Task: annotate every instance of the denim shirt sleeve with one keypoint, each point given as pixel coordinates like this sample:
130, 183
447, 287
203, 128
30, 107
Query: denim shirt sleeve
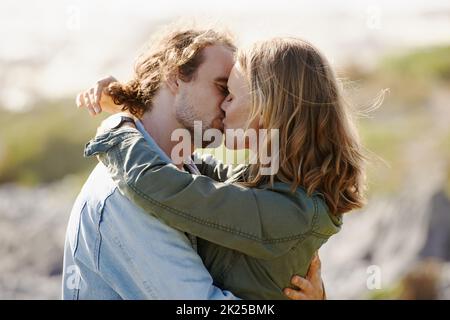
258, 222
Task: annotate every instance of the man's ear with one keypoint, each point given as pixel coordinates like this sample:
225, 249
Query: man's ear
172, 83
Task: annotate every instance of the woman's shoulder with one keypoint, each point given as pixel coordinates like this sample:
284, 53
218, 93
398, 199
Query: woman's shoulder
312, 208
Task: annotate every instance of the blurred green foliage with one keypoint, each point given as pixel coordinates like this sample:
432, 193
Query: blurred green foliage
412, 78
387, 142
406, 116
45, 143
431, 63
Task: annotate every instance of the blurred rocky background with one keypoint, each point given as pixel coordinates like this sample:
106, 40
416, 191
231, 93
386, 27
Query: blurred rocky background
398, 247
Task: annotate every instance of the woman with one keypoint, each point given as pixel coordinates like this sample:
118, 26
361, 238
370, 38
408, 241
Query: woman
257, 226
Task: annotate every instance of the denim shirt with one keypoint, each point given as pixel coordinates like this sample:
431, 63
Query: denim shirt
252, 240
115, 250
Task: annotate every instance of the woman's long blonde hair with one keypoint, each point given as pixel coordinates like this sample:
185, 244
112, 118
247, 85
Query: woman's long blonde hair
294, 90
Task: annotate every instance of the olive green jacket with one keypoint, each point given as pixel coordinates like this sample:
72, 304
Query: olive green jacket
252, 240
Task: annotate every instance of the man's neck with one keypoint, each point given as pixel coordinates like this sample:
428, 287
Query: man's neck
160, 122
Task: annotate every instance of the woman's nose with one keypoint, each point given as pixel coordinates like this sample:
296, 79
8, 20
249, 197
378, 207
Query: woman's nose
224, 105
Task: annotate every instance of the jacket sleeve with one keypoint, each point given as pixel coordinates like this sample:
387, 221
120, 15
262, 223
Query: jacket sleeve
258, 222
209, 166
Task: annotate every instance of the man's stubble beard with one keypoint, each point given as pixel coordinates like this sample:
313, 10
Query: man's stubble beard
185, 114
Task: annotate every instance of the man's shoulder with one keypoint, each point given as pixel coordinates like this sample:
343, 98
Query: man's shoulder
100, 193
98, 186
101, 201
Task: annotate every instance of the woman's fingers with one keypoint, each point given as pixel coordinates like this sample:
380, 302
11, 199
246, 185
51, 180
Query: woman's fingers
88, 103
91, 99
103, 101
84, 100
80, 100
314, 272
302, 283
307, 290
295, 294
98, 89
95, 105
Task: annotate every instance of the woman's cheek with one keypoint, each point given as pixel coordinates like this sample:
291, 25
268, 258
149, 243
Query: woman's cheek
237, 114
231, 113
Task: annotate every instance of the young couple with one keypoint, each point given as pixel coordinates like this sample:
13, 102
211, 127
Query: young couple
145, 226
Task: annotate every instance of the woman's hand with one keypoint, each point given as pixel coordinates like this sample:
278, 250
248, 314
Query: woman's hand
310, 288
96, 100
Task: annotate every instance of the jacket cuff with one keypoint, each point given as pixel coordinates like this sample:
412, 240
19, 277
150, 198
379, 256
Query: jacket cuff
104, 141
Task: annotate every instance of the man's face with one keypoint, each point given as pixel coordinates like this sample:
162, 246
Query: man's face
200, 98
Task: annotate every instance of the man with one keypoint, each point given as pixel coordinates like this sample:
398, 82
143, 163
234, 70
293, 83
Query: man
115, 250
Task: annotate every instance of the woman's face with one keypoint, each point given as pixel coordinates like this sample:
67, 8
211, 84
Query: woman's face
237, 107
